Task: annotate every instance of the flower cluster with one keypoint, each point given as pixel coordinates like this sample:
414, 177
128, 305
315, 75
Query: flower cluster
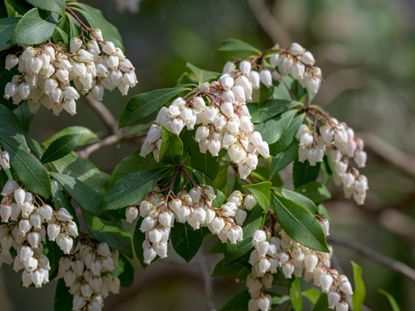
276, 252
219, 110
87, 272
26, 226
193, 207
339, 141
299, 63
55, 78
131, 6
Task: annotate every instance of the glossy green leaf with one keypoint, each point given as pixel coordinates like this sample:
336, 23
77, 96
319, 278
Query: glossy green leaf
288, 137
392, 302
322, 304
300, 199
57, 6
312, 294
237, 46
186, 241
60, 148
85, 135
34, 27
63, 299
110, 233
239, 302
269, 109
171, 149
17, 6
7, 26
261, 192
299, 223
199, 75
273, 129
88, 198
304, 173
124, 271
31, 172
204, 162
142, 106
295, 295
315, 191
24, 116
359, 288
96, 19
282, 159
131, 189
138, 239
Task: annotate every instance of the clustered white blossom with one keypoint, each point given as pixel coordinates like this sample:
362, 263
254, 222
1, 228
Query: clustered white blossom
193, 207
55, 78
299, 63
220, 111
26, 226
338, 140
131, 6
87, 272
275, 252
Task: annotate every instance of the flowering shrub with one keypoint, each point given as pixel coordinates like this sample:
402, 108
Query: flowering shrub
210, 161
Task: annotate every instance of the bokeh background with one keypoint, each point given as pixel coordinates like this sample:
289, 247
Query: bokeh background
366, 49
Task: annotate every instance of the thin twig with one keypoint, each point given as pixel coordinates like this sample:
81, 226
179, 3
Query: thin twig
268, 22
109, 140
389, 153
381, 259
103, 112
207, 281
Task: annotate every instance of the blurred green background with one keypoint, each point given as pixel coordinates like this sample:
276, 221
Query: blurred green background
366, 49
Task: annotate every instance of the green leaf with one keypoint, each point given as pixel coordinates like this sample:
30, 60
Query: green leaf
24, 116
299, 223
284, 158
57, 6
199, 75
141, 107
270, 108
124, 271
186, 241
110, 233
295, 295
171, 149
11, 133
31, 172
86, 136
315, 191
312, 294
87, 197
300, 200
304, 173
239, 302
204, 162
273, 129
322, 303
392, 302
131, 189
237, 46
17, 6
96, 19
7, 26
63, 299
287, 137
261, 192
34, 27
359, 294
54, 254
60, 148
138, 239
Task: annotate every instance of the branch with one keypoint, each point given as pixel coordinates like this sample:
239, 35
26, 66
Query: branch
389, 153
381, 259
268, 22
107, 141
103, 112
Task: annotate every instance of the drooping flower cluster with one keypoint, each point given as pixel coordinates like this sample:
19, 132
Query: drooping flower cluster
344, 148
131, 6
87, 272
193, 207
55, 78
275, 252
26, 226
219, 110
299, 63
